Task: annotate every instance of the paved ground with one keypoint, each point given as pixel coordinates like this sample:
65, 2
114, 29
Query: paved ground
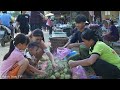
4, 50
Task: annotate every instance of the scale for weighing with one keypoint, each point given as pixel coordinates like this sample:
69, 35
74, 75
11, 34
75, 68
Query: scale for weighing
59, 34
58, 39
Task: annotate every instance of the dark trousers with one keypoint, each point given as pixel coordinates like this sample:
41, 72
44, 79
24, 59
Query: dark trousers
12, 30
35, 26
106, 70
50, 30
24, 30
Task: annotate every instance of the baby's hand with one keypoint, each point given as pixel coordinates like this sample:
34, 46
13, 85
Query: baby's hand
54, 65
44, 65
42, 73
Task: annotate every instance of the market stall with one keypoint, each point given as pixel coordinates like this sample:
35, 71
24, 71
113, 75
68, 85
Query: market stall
58, 39
65, 28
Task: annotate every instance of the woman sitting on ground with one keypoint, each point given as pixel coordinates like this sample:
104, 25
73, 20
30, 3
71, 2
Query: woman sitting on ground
103, 59
113, 35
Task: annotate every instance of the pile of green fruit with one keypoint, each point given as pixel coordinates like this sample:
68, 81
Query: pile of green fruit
62, 71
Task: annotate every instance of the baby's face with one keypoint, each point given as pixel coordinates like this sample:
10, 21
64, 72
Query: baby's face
34, 50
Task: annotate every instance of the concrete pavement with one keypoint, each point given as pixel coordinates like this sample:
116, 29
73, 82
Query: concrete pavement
3, 50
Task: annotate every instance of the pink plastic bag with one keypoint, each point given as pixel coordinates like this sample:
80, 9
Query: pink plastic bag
78, 73
62, 53
43, 66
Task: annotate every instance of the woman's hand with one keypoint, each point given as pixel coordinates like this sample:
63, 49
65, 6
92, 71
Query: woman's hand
72, 63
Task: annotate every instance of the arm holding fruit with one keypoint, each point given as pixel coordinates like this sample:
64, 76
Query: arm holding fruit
51, 58
85, 62
49, 54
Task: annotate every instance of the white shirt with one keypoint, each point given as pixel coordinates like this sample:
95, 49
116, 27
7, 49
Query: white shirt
29, 56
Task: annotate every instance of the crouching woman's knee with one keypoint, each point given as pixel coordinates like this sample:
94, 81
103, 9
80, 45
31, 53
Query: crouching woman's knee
24, 62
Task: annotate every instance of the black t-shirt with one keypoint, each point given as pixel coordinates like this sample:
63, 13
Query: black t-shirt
74, 30
23, 19
76, 37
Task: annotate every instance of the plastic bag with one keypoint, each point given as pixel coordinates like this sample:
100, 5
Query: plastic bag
43, 65
62, 53
78, 73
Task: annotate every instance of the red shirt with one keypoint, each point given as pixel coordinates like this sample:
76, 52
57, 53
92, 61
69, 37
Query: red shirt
49, 22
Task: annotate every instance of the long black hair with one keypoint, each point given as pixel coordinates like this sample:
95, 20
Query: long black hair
38, 32
89, 34
20, 38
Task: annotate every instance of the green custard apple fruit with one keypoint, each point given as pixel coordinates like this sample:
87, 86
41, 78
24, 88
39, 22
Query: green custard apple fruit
61, 66
57, 74
67, 76
65, 70
62, 76
52, 77
61, 72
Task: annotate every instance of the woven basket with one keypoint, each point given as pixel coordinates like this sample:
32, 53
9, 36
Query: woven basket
57, 42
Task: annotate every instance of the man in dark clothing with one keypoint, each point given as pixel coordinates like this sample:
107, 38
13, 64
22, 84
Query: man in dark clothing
76, 37
23, 21
36, 19
74, 31
76, 40
80, 24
